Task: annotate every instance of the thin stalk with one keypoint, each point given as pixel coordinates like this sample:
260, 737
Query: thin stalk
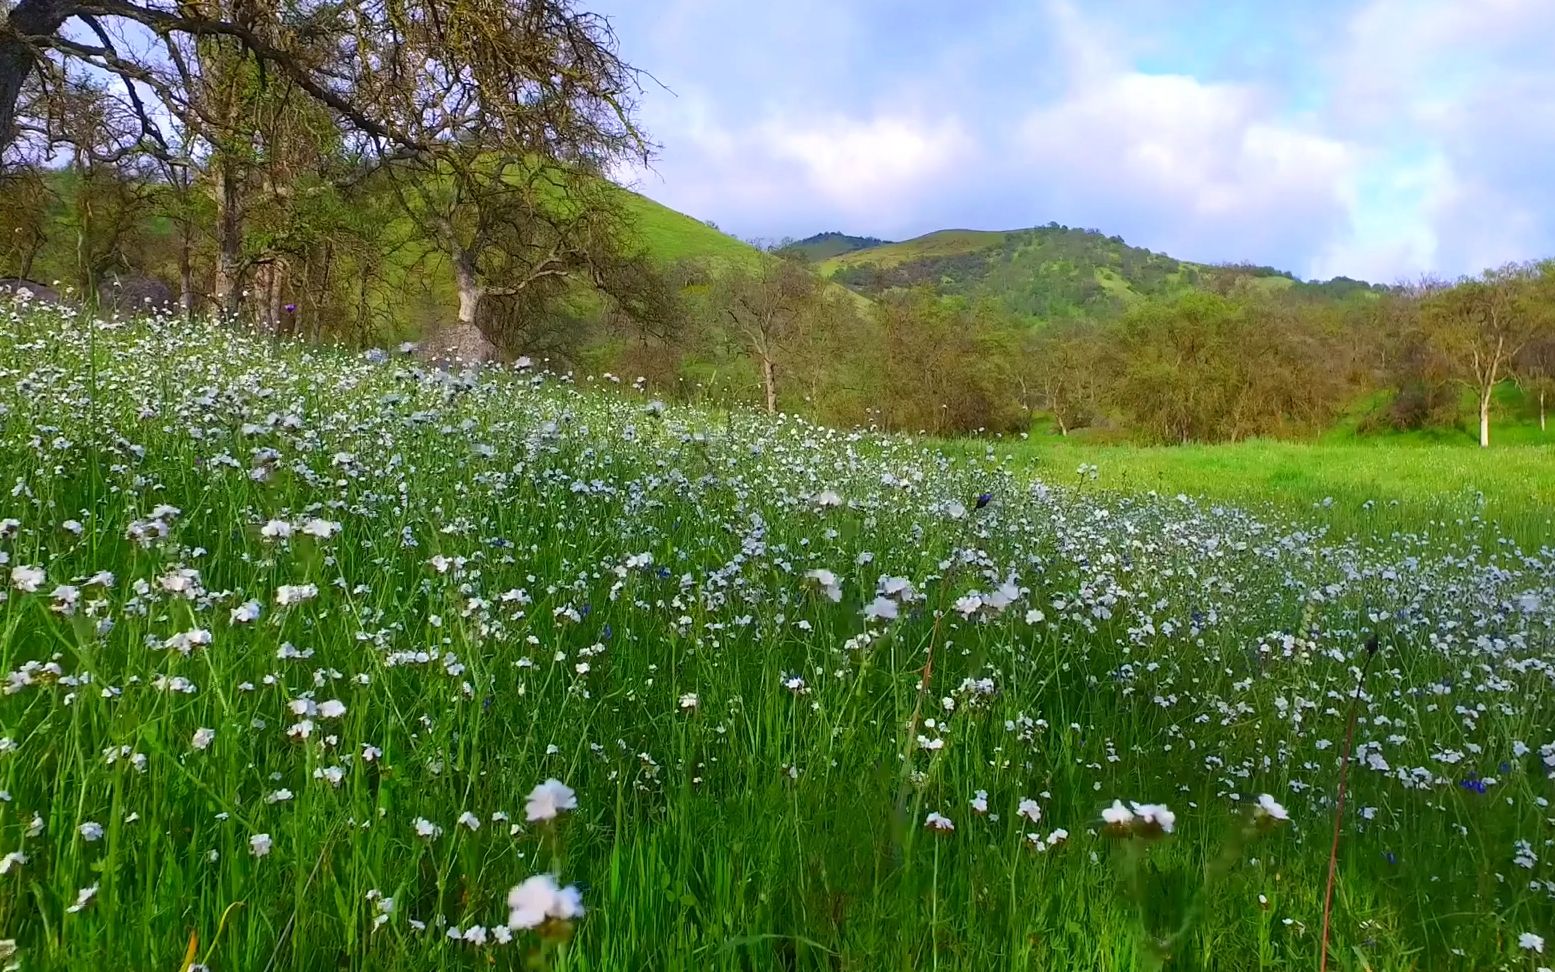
1344, 777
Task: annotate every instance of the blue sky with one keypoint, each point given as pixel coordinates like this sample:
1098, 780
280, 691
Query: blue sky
1381, 139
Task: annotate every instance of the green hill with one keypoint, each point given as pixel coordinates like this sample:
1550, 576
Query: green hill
1051, 272
670, 235
824, 246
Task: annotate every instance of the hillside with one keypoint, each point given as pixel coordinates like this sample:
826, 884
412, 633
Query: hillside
824, 246
1051, 272
670, 235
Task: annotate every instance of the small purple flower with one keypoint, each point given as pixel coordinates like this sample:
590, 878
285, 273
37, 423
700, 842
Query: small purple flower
983, 499
290, 308
1474, 785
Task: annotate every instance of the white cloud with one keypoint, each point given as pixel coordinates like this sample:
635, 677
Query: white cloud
864, 165
866, 171
1469, 87
1408, 136
1205, 170
1391, 239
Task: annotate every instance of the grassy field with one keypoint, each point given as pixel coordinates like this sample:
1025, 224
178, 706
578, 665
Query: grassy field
325, 661
1369, 488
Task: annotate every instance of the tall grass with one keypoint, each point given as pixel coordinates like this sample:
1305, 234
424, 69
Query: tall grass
533, 580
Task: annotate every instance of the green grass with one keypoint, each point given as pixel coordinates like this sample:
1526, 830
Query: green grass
823, 246
670, 235
1116, 285
538, 578
1368, 487
1514, 421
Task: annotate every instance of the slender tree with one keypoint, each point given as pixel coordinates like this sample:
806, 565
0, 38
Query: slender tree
1064, 371
1481, 325
772, 308
1536, 364
515, 113
24, 220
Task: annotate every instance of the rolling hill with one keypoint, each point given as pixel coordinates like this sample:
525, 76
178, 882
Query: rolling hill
824, 246
670, 235
1050, 272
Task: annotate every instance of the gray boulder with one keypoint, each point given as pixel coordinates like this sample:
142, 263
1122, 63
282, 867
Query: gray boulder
457, 344
133, 294
20, 289
116, 296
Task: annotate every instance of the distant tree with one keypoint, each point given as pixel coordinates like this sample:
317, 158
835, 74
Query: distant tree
1481, 325
774, 308
945, 366
1177, 364
1202, 367
111, 198
24, 220
1065, 372
1537, 367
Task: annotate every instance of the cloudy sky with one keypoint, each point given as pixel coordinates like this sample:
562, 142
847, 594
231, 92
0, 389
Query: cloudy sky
1375, 138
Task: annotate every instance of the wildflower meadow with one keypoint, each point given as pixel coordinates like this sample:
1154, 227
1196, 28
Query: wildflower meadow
325, 660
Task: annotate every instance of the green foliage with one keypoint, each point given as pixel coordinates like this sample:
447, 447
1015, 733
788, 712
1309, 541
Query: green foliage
1206, 368
963, 331
946, 366
1057, 272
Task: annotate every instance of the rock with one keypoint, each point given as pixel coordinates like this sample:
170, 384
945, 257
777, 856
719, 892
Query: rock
121, 296
19, 289
133, 294
459, 344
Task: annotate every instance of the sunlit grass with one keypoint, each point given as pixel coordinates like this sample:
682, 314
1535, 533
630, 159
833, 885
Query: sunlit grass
1366, 488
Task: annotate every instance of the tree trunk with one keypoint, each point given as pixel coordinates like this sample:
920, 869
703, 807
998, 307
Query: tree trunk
315, 318
259, 305
229, 238
186, 274
16, 62
769, 383
84, 261
277, 284
1484, 417
18, 57
464, 342
469, 291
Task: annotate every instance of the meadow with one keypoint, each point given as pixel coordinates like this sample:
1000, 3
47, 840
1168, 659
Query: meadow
327, 660
1360, 486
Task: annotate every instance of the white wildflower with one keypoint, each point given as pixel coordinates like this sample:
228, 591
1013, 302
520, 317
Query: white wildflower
548, 799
